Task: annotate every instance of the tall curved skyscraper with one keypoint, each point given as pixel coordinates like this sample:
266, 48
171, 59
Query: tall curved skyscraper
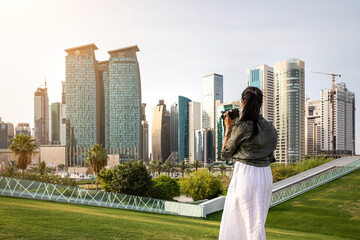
124, 100
160, 132
289, 78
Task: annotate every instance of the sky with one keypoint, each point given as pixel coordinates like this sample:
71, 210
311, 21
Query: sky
179, 42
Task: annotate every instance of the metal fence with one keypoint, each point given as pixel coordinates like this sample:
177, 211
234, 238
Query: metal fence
59, 193
314, 182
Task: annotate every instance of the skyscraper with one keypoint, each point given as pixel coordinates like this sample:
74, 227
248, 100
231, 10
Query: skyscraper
103, 70
160, 132
55, 123
344, 125
219, 128
3, 135
174, 130
83, 98
183, 128
312, 127
262, 77
144, 135
289, 97
212, 90
194, 124
199, 145
63, 115
41, 116
10, 134
23, 128
124, 100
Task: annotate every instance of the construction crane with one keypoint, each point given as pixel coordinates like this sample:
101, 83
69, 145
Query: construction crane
333, 75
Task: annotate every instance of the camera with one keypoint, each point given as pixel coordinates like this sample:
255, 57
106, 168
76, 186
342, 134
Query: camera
233, 113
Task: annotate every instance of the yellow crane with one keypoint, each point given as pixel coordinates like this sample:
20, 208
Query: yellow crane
333, 75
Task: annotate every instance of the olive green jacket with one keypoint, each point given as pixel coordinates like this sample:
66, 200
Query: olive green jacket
257, 151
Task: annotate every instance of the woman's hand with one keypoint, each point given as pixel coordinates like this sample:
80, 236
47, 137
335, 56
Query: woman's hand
229, 123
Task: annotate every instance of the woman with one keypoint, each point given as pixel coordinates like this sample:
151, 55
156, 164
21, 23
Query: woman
250, 142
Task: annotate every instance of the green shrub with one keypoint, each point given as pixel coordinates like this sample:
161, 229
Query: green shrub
225, 182
46, 178
132, 178
201, 185
105, 177
164, 187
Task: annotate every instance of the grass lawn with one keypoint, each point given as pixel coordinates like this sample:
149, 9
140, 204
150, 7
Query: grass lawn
329, 212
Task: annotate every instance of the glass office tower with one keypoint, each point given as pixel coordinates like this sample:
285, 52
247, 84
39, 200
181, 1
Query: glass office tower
55, 123
160, 132
289, 77
183, 128
212, 90
219, 128
83, 104
103, 70
124, 101
262, 77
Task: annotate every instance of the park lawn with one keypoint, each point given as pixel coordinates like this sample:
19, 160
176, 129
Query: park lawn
326, 213
331, 211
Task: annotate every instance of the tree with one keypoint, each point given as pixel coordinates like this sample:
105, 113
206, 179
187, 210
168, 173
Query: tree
156, 166
169, 167
61, 167
222, 168
97, 159
41, 168
210, 167
201, 185
23, 148
164, 187
131, 178
182, 167
105, 177
196, 164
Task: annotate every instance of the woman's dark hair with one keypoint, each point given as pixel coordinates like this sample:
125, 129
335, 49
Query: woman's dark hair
252, 99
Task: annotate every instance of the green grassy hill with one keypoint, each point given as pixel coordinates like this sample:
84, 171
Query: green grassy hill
329, 212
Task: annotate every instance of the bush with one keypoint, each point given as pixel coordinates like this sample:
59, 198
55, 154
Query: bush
225, 182
105, 177
131, 178
46, 178
164, 187
281, 171
201, 185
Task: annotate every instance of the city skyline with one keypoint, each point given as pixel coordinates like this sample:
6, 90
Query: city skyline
227, 43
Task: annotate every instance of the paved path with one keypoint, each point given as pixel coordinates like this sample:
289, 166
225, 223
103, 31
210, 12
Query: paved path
313, 172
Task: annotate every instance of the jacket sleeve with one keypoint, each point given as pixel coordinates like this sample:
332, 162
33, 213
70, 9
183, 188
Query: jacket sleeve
237, 135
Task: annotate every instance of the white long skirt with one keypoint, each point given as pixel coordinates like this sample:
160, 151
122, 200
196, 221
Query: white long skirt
247, 203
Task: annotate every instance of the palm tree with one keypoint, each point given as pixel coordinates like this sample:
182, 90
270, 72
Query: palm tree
182, 167
222, 168
42, 168
169, 167
156, 166
97, 159
196, 164
23, 148
210, 167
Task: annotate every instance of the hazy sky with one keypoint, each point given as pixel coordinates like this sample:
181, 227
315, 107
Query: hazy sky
179, 41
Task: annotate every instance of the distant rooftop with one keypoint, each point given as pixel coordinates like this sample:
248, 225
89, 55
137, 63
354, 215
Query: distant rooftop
91, 45
213, 74
124, 49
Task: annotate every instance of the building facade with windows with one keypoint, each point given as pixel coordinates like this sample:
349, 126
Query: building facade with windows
55, 123
41, 116
124, 100
312, 127
289, 119
183, 128
220, 128
344, 124
262, 77
212, 90
160, 132
194, 125
83, 98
